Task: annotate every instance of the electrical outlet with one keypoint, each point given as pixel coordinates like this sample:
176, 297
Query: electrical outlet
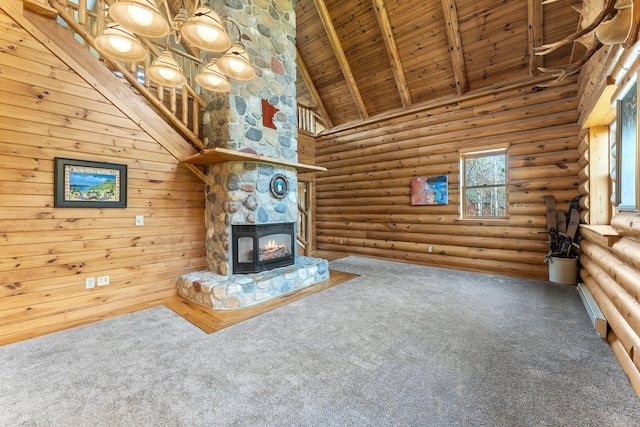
90, 282
430, 248
341, 241
139, 220
103, 280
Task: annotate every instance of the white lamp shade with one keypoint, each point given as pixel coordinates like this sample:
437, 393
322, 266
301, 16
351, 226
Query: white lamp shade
141, 17
235, 63
166, 71
119, 43
211, 78
204, 30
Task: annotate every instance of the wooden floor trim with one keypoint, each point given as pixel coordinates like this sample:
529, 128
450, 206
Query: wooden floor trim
210, 320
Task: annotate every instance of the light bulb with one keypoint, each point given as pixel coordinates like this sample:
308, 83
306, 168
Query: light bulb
121, 45
141, 16
207, 34
166, 73
214, 80
236, 65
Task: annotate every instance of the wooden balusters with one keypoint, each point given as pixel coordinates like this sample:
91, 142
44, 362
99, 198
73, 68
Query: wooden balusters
196, 116
83, 18
172, 101
88, 23
184, 97
100, 16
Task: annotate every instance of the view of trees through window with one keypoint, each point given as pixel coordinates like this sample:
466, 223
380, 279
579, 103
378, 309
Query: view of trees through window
484, 190
627, 197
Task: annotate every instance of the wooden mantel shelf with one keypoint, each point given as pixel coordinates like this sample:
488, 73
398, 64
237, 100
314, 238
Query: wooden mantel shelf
211, 156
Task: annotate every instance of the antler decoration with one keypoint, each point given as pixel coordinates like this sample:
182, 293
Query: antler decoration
616, 21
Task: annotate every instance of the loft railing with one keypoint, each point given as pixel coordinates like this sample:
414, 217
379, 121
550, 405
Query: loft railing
301, 230
181, 106
309, 120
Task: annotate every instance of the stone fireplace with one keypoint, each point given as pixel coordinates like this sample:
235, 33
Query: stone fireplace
251, 167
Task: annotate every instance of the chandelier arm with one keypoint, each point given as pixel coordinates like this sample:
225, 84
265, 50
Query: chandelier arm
166, 8
236, 26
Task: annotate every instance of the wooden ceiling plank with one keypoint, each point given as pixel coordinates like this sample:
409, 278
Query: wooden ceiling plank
304, 71
392, 51
535, 18
323, 12
455, 45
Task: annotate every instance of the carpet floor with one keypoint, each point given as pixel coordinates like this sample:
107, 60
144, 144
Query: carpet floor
401, 345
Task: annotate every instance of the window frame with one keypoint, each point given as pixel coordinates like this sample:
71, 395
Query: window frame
478, 153
620, 146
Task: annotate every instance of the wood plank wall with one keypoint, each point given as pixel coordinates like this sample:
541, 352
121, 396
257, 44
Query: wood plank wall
47, 110
610, 259
363, 202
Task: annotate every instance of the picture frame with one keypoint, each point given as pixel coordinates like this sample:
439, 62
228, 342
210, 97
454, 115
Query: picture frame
430, 190
279, 186
88, 184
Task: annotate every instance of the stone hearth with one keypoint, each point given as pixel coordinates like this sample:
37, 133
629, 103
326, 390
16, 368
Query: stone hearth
244, 290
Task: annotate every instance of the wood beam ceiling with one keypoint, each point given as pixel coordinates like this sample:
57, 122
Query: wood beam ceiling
392, 51
535, 17
304, 72
455, 45
323, 12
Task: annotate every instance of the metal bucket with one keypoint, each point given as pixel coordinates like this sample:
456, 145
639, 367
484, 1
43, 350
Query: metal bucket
563, 270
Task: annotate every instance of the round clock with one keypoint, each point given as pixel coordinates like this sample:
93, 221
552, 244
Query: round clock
279, 186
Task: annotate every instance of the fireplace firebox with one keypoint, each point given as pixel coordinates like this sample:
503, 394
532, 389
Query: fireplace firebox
262, 247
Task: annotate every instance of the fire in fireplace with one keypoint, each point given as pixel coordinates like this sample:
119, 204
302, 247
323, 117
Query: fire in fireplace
262, 247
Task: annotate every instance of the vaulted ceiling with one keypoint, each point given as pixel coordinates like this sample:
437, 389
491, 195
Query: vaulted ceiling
362, 59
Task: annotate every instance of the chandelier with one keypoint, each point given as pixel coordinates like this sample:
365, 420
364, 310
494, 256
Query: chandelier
204, 30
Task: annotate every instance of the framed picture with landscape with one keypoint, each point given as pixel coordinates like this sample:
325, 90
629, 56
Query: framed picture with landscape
85, 184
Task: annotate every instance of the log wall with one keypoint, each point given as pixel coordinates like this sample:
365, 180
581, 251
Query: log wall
363, 201
48, 110
610, 255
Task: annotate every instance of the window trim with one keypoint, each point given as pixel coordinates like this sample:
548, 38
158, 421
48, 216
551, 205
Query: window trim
478, 152
619, 146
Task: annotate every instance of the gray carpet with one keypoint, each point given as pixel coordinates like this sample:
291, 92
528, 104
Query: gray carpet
401, 345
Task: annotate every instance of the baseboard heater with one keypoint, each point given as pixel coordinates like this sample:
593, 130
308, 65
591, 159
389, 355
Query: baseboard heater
595, 314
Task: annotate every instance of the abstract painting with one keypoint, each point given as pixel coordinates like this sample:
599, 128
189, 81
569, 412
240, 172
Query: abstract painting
430, 190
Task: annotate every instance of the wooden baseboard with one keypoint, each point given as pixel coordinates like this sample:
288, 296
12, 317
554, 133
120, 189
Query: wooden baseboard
210, 320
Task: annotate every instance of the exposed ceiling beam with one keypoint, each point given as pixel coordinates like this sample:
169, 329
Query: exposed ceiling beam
455, 45
534, 18
392, 51
312, 89
341, 57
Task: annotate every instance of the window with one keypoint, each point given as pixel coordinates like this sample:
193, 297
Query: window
483, 189
627, 177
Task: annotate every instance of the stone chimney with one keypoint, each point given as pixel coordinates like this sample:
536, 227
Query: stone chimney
257, 117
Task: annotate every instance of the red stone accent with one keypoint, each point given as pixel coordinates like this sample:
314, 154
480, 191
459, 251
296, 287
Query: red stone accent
268, 111
197, 286
277, 66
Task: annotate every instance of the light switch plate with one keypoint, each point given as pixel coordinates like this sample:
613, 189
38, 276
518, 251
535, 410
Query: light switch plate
139, 220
